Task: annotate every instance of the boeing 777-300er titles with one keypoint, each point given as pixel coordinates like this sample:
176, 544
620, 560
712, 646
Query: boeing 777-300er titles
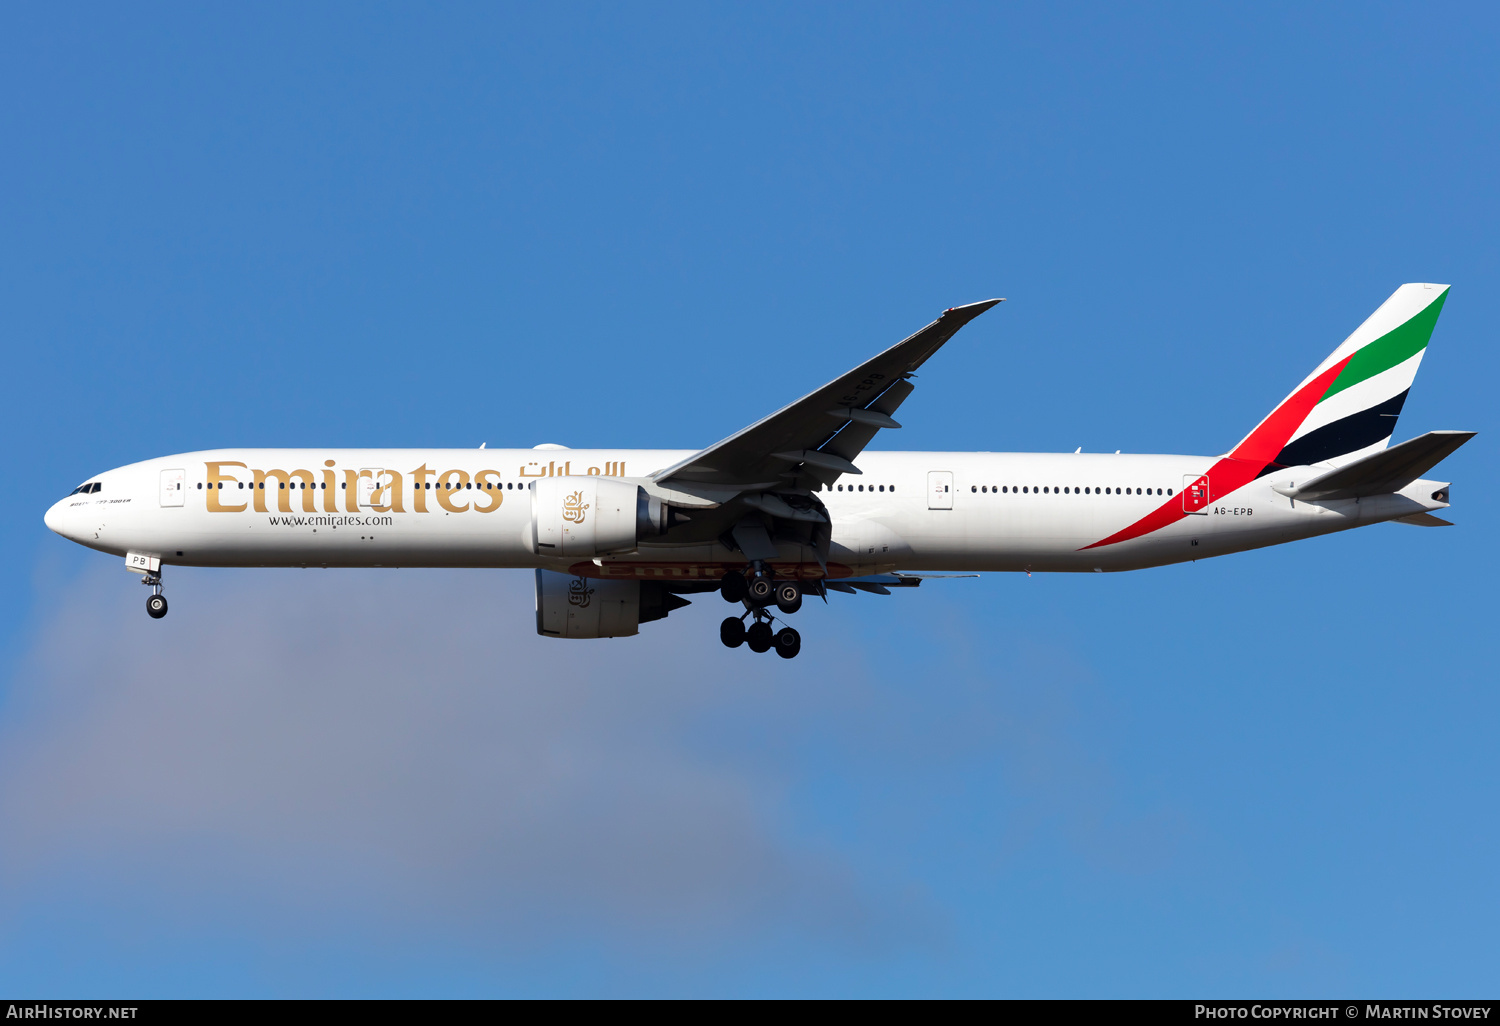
792, 504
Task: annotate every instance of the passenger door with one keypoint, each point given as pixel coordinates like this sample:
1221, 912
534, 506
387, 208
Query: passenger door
940, 489
172, 491
1195, 494
369, 480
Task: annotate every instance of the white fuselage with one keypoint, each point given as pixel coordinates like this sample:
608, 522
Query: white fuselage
933, 511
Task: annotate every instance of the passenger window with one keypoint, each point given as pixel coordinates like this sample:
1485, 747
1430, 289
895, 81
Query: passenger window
1169, 491
882, 488
973, 488
893, 488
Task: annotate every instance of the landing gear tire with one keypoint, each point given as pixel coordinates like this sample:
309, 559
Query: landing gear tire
732, 586
762, 590
732, 632
156, 606
759, 637
788, 643
788, 597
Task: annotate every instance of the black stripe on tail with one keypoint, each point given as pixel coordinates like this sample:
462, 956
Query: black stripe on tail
1351, 434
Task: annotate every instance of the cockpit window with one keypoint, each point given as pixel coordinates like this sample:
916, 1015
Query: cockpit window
86, 489
97, 485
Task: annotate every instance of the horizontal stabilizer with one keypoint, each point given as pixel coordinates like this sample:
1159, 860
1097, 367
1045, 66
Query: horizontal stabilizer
1423, 520
1380, 473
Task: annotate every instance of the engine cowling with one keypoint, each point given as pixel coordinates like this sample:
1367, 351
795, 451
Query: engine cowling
591, 516
585, 607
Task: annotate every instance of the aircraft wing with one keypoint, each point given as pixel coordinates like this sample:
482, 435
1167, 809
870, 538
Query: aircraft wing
881, 584
816, 438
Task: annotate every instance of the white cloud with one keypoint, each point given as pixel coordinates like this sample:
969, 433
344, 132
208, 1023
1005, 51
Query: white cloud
404, 749
399, 755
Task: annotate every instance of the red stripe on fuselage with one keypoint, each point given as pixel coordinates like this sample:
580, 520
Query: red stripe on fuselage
1249, 458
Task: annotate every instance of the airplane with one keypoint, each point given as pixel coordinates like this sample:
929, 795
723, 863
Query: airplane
795, 504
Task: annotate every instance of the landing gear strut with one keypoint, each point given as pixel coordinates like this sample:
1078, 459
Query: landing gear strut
156, 604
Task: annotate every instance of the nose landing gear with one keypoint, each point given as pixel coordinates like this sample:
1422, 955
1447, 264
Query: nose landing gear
156, 604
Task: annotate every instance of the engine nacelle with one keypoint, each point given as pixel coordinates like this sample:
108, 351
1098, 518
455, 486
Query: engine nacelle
584, 607
591, 516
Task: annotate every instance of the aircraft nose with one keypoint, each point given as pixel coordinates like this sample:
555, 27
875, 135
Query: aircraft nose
54, 518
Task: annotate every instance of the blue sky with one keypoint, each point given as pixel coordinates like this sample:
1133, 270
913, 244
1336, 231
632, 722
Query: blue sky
649, 225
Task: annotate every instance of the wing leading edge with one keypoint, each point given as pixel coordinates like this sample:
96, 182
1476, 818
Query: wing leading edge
818, 436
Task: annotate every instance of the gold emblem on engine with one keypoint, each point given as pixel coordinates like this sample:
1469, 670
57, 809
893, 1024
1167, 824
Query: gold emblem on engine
574, 507
579, 593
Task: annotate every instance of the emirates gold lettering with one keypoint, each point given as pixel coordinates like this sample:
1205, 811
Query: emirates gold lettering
330, 493
491, 496
216, 481
285, 482
419, 488
386, 498
483, 491
449, 482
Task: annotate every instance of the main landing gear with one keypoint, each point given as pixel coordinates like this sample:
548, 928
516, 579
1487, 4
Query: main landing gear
156, 604
760, 591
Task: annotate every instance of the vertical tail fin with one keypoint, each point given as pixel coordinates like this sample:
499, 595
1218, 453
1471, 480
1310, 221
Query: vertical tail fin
1348, 406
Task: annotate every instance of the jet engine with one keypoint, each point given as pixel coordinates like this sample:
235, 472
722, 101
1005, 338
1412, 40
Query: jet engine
584, 607
592, 516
